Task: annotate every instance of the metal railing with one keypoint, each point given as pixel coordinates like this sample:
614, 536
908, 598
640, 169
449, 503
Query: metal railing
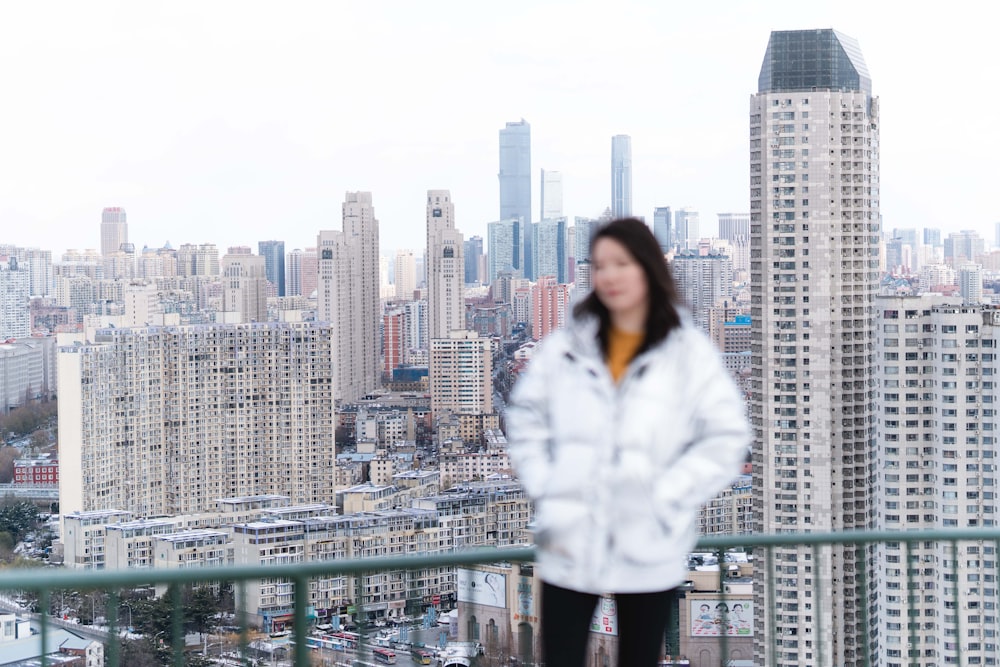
43, 581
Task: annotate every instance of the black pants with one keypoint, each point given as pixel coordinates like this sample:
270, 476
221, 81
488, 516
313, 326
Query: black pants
566, 616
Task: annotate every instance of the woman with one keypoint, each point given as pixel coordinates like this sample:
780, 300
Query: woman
623, 425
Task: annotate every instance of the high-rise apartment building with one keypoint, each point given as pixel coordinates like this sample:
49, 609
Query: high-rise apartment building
198, 260
936, 468
963, 246
273, 253
114, 230
505, 239
405, 273
473, 258
38, 264
515, 185
702, 281
162, 421
15, 303
461, 373
814, 227
970, 283
445, 267
348, 297
393, 340
550, 306
293, 273
621, 176
932, 236
552, 195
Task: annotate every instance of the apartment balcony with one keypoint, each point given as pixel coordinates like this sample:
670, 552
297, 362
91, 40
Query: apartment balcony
820, 609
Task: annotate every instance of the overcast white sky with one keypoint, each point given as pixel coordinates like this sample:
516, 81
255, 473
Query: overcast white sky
235, 122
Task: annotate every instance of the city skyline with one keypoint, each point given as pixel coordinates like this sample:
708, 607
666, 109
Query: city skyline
201, 145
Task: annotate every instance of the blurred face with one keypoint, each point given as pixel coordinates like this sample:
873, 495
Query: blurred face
619, 281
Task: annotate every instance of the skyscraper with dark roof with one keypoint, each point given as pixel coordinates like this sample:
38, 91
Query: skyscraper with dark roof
814, 183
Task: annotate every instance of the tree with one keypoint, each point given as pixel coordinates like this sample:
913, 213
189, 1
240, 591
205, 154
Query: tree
7, 457
39, 440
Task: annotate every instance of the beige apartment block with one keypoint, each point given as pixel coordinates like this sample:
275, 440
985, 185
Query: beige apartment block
163, 421
815, 230
348, 297
461, 373
445, 267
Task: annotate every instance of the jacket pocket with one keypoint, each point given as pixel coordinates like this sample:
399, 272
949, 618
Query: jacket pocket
562, 527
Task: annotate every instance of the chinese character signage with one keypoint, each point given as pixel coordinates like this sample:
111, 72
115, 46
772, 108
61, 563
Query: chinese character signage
605, 621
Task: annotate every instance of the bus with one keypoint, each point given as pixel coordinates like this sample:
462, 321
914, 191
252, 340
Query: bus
349, 639
421, 656
384, 656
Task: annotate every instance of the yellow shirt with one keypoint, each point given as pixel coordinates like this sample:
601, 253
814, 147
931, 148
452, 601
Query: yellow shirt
622, 346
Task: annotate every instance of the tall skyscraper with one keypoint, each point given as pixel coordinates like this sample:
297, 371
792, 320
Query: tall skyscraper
162, 421
348, 297
301, 272
515, 183
663, 227
687, 228
965, 245
405, 273
273, 253
114, 229
932, 236
735, 228
621, 176
549, 241
293, 273
814, 274
505, 245
473, 254
445, 267
244, 288
552, 195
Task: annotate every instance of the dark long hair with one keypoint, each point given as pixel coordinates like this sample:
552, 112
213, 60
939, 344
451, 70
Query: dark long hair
663, 317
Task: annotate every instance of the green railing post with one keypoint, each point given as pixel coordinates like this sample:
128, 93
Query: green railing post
772, 625
860, 555
301, 597
43, 614
724, 655
817, 602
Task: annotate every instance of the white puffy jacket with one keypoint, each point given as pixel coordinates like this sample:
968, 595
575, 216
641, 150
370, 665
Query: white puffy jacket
618, 472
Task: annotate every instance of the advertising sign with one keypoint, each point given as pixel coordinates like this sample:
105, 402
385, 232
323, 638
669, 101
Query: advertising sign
605, 620
709, 617
486, 588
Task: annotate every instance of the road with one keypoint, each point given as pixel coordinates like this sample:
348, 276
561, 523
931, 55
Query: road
86, 631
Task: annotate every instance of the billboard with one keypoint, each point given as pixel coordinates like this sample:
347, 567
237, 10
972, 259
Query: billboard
709, 616
486, 588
